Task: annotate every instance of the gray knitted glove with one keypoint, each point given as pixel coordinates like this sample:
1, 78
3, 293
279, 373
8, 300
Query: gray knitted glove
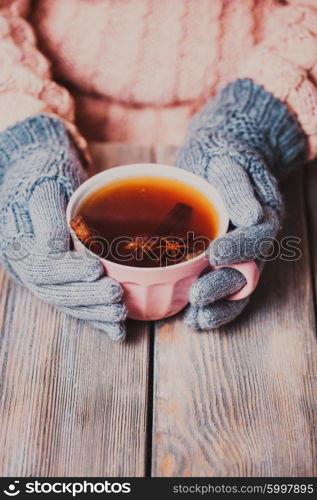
39, 170
242, 141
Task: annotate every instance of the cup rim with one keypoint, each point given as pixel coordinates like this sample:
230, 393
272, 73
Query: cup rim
88, 187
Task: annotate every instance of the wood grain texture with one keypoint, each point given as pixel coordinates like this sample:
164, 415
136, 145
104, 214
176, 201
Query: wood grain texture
72, 403
242, 400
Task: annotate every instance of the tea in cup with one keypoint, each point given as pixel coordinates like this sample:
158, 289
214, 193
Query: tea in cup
150, 225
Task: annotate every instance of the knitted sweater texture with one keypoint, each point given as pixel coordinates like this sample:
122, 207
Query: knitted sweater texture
139, 69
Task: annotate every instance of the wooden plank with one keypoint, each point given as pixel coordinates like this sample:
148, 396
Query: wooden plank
242, 400
72, 403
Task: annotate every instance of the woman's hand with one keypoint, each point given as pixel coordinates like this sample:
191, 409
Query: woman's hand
236, 142
39, 170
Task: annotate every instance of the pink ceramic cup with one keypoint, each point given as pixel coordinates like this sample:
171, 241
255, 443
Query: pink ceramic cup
156, 292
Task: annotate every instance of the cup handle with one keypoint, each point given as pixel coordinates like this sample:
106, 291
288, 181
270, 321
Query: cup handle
251, 273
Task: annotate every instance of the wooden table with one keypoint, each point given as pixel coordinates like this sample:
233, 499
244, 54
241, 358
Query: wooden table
238, 401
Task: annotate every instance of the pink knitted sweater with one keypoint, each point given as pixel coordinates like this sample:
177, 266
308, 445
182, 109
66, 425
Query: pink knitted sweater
138, 69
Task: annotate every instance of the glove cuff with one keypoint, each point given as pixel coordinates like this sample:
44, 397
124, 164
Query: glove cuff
246, 113
35, 132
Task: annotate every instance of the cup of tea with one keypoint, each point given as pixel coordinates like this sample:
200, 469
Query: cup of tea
151, 225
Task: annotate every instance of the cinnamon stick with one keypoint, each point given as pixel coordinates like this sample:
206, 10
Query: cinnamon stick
84, 234
176, 221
